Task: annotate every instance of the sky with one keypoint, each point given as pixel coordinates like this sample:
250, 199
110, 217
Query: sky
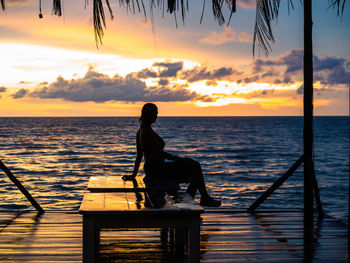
53, 67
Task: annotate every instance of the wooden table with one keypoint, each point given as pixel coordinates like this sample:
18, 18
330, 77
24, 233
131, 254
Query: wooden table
105, 184
125, 210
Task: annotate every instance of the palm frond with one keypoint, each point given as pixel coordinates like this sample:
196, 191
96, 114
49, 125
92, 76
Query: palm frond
339, 4
98, 15
3, 5
266, 12
57, 9
232, 6
217, 5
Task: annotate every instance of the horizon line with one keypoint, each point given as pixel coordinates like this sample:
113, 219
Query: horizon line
181, 116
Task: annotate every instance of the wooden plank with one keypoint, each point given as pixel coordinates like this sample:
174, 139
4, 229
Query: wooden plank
273, 237
120, 203
105, 184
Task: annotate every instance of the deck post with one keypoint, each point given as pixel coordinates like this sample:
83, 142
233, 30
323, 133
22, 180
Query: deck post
308, 109
21, 188
194, 240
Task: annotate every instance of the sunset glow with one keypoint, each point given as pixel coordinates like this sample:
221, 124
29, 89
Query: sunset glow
52, 67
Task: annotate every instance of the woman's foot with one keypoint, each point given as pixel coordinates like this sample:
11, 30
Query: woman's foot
209, 201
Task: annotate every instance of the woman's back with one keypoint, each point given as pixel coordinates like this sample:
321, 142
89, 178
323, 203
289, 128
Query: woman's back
150, 143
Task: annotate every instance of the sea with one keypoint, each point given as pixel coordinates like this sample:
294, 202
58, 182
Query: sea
240, 156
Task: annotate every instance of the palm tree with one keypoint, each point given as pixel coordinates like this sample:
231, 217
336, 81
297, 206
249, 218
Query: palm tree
266, 12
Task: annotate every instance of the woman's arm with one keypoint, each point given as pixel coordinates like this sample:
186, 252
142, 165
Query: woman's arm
169, 156
138, 160
136, 167
137, 164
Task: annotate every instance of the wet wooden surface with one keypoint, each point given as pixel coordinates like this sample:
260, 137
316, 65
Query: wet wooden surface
105, 184
226, 236
129, 203
115, 184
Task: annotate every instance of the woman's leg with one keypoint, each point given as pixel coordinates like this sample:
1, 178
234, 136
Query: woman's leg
196, 179
197, 183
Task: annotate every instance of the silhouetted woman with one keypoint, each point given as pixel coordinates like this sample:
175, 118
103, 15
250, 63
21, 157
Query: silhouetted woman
181, 170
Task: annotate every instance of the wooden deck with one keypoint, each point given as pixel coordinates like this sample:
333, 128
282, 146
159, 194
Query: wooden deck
226, 236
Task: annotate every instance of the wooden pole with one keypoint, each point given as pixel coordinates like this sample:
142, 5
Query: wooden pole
276, 184
316, 192
308, 109
21, 187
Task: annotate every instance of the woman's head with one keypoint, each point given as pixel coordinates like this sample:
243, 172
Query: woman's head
149, 114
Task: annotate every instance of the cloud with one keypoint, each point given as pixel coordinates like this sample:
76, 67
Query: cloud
163, 82
260, 64
97, 87
300, 90
199, 73
245, 37
293, 60
251, 79
146, 73
228, 35
170, 69
327, 70
261, 93
338, 75
327, 63
247, 4
3, 89
25, 82
20, 94
11, 32
165, 70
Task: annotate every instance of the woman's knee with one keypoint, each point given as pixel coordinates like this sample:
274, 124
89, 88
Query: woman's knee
195, 167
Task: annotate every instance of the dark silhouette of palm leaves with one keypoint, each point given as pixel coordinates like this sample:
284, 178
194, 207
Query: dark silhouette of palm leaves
340, 4
57, 10
266, 12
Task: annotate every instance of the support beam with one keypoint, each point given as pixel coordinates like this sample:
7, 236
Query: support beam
276, 184
21, 187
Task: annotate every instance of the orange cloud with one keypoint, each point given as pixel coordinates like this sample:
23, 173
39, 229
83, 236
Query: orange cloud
228, 35
245, 37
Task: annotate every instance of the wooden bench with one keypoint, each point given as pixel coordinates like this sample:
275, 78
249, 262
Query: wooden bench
126, 210
106, 184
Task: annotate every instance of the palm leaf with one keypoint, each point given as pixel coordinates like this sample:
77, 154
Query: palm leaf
339, 4
57, 9
266, 12
262, 30
232, 5
98, 16
217, 5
